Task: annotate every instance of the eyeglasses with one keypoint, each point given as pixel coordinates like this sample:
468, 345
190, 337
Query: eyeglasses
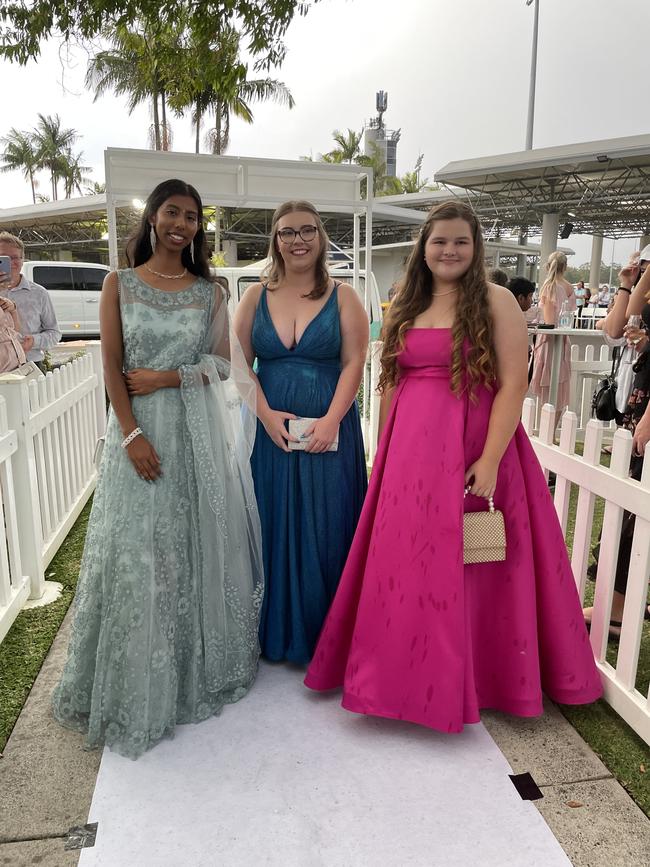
288, 236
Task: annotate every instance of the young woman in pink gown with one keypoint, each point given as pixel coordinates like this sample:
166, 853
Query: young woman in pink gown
412, 633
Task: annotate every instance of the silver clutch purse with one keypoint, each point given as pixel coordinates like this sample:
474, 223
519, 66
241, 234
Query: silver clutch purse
484, 536
297, 428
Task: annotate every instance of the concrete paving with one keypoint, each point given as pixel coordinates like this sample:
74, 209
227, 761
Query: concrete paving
46, 778
47, 781
607, 829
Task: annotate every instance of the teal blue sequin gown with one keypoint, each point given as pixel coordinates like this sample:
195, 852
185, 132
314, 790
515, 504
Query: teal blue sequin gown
170, 589
309, 504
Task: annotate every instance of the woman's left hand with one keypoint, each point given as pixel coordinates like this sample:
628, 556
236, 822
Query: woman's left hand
7, 305
142, 380
641, 434
321, 435
484, 473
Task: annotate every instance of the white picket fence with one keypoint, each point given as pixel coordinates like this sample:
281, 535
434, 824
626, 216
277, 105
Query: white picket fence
54, 423
14, 584
619, 493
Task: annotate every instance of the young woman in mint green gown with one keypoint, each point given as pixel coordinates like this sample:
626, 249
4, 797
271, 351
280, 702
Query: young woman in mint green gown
167, 607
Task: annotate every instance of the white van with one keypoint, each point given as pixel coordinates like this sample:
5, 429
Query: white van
239, 279
74, 288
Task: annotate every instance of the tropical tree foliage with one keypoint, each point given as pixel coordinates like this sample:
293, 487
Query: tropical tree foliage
20, 154
348, 147
25, 26
74, 174
48, 147
54, 148
212, 80
135, 67
411, 182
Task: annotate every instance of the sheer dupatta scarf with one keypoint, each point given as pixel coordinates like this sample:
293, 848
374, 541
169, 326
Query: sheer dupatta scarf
218, 396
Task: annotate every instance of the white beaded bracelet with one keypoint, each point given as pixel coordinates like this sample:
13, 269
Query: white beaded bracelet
129, 439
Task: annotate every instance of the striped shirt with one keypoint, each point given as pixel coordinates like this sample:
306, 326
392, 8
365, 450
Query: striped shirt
36, 316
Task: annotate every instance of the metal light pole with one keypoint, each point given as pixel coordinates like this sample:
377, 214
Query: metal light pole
533, 77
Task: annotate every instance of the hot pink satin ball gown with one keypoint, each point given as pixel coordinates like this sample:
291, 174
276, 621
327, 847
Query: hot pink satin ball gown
414, 634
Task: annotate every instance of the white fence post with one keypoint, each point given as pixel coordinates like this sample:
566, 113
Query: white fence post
619, 492
28, 514
375, 354
14, 585
94, 349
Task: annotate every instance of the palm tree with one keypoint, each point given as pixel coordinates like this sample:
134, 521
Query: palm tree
135, 67
257, 90
95, 188
74, 173
377, 163
20, 155
53, 145
222, 89
348, 146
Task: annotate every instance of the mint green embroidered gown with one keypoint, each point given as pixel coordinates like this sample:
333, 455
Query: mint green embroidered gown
170, 589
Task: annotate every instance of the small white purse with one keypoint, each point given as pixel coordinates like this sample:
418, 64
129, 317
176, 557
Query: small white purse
297, 428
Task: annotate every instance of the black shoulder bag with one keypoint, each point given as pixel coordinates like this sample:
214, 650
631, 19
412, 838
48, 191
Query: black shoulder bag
603, 403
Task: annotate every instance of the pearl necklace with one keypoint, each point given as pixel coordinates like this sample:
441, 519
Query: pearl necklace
442, 294
166, 276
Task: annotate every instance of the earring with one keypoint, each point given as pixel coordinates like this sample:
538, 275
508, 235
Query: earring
152, 239
192, 251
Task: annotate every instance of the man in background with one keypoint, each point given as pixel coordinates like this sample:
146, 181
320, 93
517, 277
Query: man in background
40, 330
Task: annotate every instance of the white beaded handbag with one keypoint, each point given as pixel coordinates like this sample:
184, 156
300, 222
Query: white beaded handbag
484, 535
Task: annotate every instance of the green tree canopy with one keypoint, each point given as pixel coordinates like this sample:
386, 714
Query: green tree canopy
208, 76
25, 26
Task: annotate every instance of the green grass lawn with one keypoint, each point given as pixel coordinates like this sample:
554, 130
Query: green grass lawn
620, 749
26, 644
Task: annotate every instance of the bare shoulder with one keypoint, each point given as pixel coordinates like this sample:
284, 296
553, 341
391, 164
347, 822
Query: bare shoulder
349, 297
501, 299
506, 313
251, 297
110, 283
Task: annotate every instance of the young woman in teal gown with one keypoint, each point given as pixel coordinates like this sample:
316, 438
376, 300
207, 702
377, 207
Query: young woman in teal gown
167, 606
307, 336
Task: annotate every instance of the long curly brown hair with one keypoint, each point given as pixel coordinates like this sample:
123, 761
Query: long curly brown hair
274, 272
473, 323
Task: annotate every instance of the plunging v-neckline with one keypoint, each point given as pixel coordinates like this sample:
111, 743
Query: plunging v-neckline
307, 327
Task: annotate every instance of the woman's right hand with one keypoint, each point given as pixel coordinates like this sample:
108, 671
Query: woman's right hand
627, 275
144, 458
274, 424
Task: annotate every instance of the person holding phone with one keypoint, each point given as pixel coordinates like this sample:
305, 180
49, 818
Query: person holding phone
308, 336
40, 330
12, 354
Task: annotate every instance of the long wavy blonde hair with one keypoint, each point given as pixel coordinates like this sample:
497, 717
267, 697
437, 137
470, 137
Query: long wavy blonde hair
274, 273
473, 323
555, 268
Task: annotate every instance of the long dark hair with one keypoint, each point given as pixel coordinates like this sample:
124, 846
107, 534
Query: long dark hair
274, 272
138, 246
473, 322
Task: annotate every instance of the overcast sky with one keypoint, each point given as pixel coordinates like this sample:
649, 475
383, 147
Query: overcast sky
456, 71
